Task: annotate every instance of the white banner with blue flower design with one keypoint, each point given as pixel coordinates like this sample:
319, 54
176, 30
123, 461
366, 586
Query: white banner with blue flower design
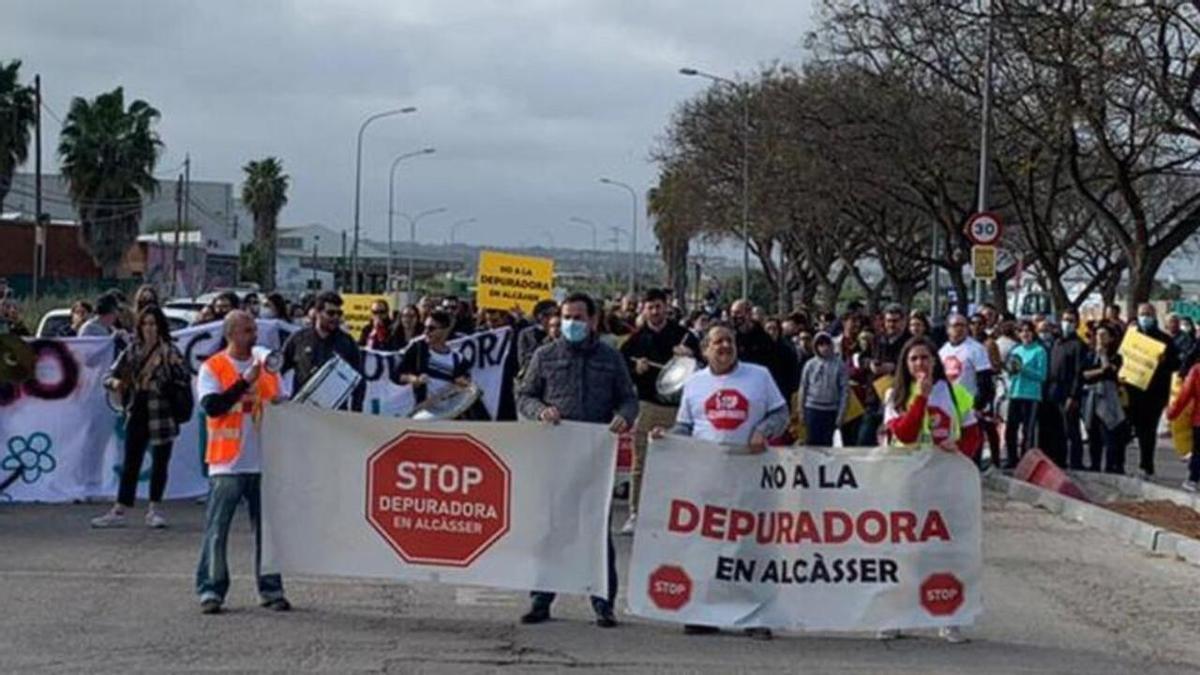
60, 441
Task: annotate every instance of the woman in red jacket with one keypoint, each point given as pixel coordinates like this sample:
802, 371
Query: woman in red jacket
1190, 393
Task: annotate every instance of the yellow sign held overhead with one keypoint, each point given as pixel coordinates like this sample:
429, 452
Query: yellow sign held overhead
356, 310
1140, 356
513, 281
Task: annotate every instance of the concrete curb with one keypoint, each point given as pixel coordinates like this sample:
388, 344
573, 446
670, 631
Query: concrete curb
1131, 486
1129, 530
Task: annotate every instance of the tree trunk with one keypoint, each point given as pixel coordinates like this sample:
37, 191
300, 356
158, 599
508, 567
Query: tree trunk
959, 282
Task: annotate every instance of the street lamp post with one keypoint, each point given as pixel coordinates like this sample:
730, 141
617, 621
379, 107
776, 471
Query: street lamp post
588, 223
412, 241
316, 244
358, 186
632, 233
392, 199
744, 90
616, 242
458, 224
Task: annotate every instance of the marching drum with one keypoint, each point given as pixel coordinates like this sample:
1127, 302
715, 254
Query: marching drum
1013, 364
330, 386
672, 376
450, 403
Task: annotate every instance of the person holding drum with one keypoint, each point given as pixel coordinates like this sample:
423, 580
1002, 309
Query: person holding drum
647, 352
309, 348
582, 379
430, 365
732, 403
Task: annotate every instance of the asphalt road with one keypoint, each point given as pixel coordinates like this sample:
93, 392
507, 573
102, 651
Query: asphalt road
1059, 598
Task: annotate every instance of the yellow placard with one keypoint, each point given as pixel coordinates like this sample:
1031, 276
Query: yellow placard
356, 310
1181, 427
513, 281
854, 409
882, 384
1140, 356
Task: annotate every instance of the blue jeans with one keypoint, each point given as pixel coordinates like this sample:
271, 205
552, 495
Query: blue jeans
820, 424
224, 494
543, 599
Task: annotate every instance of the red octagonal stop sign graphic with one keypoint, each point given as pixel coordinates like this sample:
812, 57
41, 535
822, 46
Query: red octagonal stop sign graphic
670, 587
727, 409
438, 499
942, 594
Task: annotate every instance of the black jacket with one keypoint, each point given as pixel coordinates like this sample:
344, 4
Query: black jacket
305, 352
587, 382
528, 340
1066, 369
416, 362
657, 346
755, 346
393, 343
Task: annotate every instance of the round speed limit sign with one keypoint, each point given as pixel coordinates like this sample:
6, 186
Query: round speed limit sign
984, 229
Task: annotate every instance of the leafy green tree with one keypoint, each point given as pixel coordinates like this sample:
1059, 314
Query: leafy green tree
108, 152
17, 116
265, 193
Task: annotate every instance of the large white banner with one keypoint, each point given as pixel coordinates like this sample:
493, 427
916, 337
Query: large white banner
798, 538
61, 441
54, 427
509, 505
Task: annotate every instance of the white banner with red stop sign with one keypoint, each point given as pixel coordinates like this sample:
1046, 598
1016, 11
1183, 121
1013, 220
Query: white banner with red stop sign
804, 539
508, 505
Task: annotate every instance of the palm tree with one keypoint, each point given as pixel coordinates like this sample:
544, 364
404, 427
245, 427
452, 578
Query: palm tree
17, 117
674, 207
265, 193
108, 153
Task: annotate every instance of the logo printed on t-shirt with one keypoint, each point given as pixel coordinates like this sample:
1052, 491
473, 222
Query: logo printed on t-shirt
953, 367
941, 428
726, 409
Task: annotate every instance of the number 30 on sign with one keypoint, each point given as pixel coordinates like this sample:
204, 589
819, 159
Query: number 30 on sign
984, 229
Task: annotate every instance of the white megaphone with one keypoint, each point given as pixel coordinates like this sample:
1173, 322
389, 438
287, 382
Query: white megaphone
270, 360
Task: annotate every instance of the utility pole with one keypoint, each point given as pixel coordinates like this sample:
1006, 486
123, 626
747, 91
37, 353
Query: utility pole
985, 141
39, 233
316, 243
178, 226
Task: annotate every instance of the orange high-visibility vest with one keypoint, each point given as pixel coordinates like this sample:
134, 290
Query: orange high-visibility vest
225, 431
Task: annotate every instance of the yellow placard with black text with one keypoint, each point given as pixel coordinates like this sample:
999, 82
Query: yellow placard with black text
513, 281
356, 310
1140, 356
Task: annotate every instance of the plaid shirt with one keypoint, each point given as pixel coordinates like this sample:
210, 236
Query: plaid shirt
148, 388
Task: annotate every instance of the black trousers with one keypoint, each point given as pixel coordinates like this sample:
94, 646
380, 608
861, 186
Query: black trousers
1143, 417
137, 438
601, 605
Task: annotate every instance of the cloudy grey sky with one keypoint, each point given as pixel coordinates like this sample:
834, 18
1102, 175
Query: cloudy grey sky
528, 102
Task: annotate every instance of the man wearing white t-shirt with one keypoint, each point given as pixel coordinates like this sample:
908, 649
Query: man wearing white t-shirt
232, 388
967, 363
730, 403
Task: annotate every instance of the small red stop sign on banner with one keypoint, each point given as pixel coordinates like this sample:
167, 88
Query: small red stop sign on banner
438, 499
942, 594
670, 587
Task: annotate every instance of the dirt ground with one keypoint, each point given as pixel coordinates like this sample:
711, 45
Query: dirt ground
1162, 513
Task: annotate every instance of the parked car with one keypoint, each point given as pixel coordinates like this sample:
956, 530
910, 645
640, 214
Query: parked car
55, 322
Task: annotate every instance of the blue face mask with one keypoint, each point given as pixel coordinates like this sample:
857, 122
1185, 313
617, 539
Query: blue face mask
1147, 322
574, 330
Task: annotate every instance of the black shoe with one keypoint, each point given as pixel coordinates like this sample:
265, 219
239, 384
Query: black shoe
697, 629
278, 605
759, 633
210, 607
606, 619
536, 615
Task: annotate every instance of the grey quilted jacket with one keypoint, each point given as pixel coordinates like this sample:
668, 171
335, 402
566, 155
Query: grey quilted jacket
587, 382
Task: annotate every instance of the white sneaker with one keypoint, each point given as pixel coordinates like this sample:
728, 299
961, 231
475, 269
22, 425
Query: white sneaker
114, 518
1189, 485
630, 524
952, 634
155, 519
1186, 458
887, 634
